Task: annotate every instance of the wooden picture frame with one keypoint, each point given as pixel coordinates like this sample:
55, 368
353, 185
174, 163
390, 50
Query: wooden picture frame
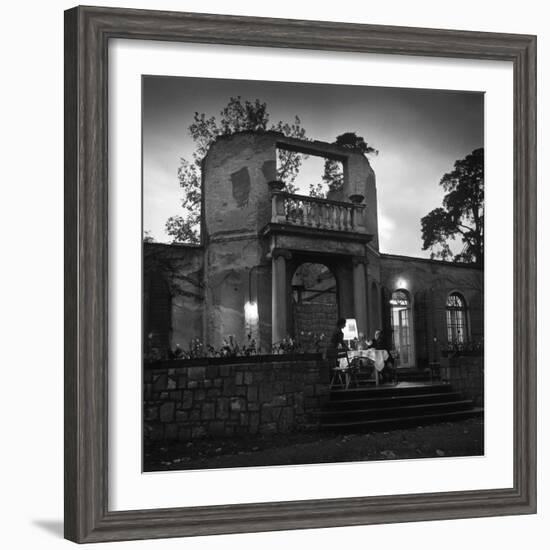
87, 34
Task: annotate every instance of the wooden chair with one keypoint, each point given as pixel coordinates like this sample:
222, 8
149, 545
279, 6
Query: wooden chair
343, 374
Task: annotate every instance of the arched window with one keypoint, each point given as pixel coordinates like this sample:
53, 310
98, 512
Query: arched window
457, 329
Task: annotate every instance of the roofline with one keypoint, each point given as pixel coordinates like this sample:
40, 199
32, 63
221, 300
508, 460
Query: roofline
172, 245
430, 261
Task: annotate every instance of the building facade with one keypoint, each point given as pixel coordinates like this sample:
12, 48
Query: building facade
272, 264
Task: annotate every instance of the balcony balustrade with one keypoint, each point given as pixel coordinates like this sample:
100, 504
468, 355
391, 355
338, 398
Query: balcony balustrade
304, 211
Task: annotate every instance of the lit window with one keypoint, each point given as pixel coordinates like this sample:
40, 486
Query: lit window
457, 331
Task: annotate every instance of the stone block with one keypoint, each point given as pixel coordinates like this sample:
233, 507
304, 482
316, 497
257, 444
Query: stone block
229, 387
148, 391
266, 415
170, 384
171, 431
196, 373
208, 411
222, 411
181, 416
254, 419
269, 428
156, 432
279, 401
211, 372
187, 400
252, 393
265, 392
198, 432
237, 404
160, 382
240, 391
225, 370
239, 377
229, 430
200, 395
248, 378
218, 382
192, 384
286, 420
166, 411
217, 428
151, 413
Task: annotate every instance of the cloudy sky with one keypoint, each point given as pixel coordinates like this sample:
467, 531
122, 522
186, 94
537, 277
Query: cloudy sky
419, 135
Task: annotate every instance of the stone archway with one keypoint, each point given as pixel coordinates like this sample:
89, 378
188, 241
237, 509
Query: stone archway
314, 300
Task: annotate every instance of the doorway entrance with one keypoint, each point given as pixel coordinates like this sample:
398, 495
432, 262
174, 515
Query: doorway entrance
314, 301
401, 328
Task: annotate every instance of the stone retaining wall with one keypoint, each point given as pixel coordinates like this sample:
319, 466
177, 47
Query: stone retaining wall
466, 375
186, 400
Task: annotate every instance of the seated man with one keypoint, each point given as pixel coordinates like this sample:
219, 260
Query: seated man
379, 343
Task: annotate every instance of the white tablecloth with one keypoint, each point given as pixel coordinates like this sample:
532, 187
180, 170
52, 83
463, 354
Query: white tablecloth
377, 356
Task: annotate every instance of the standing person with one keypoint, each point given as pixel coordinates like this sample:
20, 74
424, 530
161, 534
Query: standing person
337, 338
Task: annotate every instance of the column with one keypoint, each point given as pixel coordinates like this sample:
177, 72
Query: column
278, 294
360, 293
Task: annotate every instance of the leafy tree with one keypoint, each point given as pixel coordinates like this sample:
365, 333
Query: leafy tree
236, 116
462, 214
147, 237
333, 176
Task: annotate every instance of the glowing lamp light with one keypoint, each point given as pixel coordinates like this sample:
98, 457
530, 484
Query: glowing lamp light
402, 283
251, 313
350, 330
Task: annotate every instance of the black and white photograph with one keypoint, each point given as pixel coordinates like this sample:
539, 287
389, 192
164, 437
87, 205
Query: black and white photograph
313, 273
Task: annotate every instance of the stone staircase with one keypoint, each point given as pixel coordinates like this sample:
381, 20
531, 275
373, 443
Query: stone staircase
388, 407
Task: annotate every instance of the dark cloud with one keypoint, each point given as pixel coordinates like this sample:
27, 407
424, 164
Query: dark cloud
419, 133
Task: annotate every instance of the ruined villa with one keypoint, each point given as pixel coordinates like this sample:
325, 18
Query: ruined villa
272, 264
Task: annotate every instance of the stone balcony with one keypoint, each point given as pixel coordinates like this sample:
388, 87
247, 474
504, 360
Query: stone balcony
316, 213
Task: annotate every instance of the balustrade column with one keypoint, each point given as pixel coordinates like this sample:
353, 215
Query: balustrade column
360, 293
278, 294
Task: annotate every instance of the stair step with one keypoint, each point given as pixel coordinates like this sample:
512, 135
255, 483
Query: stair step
392, 400
383, 391
399, 422
395, 412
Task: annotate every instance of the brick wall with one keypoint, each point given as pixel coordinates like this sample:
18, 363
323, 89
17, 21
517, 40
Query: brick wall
466, 375
213, 398
315, 317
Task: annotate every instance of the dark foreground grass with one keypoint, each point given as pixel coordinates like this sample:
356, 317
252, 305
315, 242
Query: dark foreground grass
464, 438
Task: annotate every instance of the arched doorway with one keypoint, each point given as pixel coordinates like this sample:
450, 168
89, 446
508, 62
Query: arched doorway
314, 300
401, 322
